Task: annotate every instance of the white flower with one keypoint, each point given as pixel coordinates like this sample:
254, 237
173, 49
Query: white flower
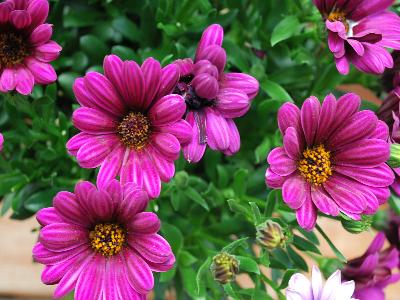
300, 288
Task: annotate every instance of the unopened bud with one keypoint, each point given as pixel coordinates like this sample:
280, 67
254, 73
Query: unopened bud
353, 226
271, 235
224, 267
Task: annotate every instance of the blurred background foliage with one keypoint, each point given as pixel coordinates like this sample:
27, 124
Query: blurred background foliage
216, 204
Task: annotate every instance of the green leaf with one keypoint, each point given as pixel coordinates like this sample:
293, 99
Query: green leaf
309, 235
327, 80
235, 244
286, 277
394, 203
127, 28
95, 48
304, 245
231, 292
256, 213
394, 160
40, 199
204, 268
10, 180
275, 91
196, 197
248, 264
297, 259
186, 259
285, 29
174, 236
240, 182
168, 276
271, 202
237, 207
338, 254
188, 277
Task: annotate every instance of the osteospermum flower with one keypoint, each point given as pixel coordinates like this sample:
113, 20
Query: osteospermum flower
300, 288
373, 271
359, 31
213, 98
130, 125
332, 159
101, 243
25, 46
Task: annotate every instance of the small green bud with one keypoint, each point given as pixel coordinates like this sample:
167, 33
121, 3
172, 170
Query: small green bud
394, 160
355, 227
271, 235
181, 179
224, 267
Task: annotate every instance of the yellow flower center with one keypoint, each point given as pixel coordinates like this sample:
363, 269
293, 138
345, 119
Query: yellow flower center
107, 238
134, 130
340, 16
13, 49
315, 166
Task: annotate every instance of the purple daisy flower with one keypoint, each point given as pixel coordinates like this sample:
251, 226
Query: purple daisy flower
359, 31
373, 271
332, 159
300, 288
131, 125
101, 243
25, 46
213, 98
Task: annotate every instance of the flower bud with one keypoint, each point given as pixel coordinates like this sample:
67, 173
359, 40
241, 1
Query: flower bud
271, 235
224, 267
353, 226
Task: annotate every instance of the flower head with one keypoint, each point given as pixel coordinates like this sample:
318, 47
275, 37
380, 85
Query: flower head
213, 98
358, 33
372, 272
25, 46
333, 159
131, 125
224, 267
101, 243
301, 288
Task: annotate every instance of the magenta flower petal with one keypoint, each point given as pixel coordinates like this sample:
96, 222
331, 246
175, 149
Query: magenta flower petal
145, 223
307, 214
326, 118
309, 118
381, 131
232, 103
62, 236
194, 150
114, 71
167, 144
217, 130
274, 180
151, 178
241, 81
280, 162
24, 80
38, 10
69, 210
90, 282
182, 130
234, 138
20, 19
5, 10
342, 65
81, 93
292, 143
138, 273
111, 166
7, 79
95, 150
216, 55
48, 52
44, 256
204, 66
289, 116
47, 216
76, 142
164, 167
169, 78
130, 169
167, 110
43, 72
380, 176
94, 121
213, 35
41, 34
324, 202
134, 84
152, 247
103, 93
151, 70
295, 191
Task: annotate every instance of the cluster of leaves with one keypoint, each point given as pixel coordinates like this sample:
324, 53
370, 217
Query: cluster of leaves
209, 207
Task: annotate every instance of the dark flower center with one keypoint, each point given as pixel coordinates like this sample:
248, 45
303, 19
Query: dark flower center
340, 16
315, 166
107, 239
13, 48
192, 100
134, 130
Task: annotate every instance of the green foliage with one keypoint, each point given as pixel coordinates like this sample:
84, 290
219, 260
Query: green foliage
209, 207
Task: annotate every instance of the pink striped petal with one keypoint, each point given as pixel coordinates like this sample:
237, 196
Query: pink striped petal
167, 145
44, 256
295, 191
241, 81
151, 247
93, 153
134, 84
181, 130
138, 273
280, 163
289, 116
111, 281
111, 166
217, 130
203, 66
48, 52
151, 178
25, 81
381, 131
76, 142
145, 223
135, 201
41, 34
131, 170
273, 180
292, 143
164, 167
234, 138
205, 85
5, 9
69, 209
100, 205
47, 216
309, 118
151, 70
91, 120
232, 103
8, 79
380, 176
82, 95
323, 201
90, 282
38, 10
169, 109
307, 214
193, 151
213, 35
216, 55
43, 72
326, 119
104, 94
114, 71
169, 79
62, 236
346, 106
20, 19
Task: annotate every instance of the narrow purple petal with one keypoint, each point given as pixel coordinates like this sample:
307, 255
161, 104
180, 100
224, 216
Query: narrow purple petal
309, 119
91, 120
138, 273
213, 35
280, 162
295, 191
380, 176
151, 70
169, 109
307, 214
145, 223
62, 236
289, 116
90, 282
217, 130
